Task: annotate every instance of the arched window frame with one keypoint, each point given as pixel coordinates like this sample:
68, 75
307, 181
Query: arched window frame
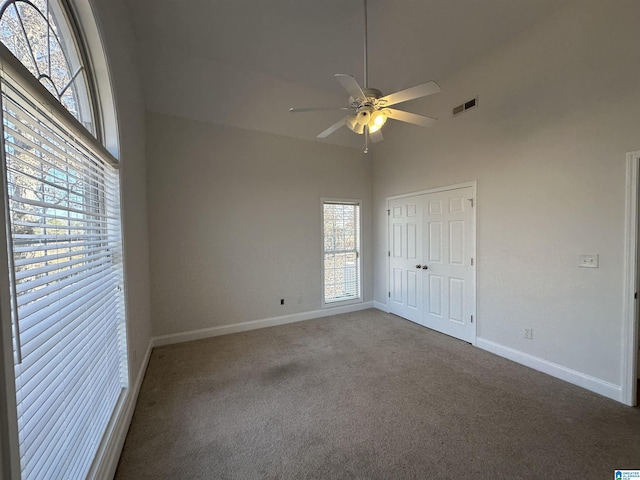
78, 86
105, 136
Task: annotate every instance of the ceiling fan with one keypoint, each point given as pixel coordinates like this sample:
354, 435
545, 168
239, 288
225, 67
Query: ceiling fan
369, 109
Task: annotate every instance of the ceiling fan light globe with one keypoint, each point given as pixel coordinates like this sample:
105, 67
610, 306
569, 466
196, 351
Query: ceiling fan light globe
353, 125
378, 119
364, 116
373, 128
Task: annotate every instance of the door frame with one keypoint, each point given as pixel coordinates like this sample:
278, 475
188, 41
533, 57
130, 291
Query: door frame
474, 188
631, 314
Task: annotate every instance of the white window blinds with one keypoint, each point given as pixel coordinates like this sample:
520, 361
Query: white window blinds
65, 257
341, 259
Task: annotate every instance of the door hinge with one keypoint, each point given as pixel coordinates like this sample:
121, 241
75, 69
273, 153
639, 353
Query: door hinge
389, 294
389, 253
471, 318
388, 212
635, 295
471, 200
472, 262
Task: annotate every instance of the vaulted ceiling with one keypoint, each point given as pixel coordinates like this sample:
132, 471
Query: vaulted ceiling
244, 62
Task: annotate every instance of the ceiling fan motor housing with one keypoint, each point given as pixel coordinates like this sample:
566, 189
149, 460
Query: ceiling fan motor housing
372, 93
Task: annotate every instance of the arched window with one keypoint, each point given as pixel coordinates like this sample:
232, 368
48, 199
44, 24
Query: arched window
62, 252
39, 34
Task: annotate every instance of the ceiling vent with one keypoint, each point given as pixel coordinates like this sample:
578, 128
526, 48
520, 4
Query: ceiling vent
463, 107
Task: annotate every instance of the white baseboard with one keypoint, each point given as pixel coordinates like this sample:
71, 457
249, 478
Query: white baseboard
583, 380
256, 324
105, 467
381, 306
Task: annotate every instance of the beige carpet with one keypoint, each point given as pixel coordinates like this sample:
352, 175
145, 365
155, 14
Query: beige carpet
369, 396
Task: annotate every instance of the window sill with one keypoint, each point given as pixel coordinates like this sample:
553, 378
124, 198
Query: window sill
340, 303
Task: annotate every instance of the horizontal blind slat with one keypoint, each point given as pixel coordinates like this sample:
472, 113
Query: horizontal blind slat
76, 383
67, 285
70, 352
52, 267
40, 346
33, 160
62, 276
37, 330
25, 114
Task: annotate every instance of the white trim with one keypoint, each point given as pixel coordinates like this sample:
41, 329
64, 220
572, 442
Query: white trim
580, 379
629, 339
474, 255
388, 255
91, 35
256, 324
340, 303
472, 184
381, 306
107, 459
9, 440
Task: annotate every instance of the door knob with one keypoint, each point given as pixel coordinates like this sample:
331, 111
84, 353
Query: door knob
424, 267
418, 266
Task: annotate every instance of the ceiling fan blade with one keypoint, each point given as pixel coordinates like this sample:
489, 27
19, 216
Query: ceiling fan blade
418, 91
332, 128
350, 85
409, 117
315, 109
376, 136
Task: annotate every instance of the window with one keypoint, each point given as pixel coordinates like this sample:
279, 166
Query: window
38, 33
61, 199
341, 251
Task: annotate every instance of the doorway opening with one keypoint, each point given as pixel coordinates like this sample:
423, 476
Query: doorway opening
631, 330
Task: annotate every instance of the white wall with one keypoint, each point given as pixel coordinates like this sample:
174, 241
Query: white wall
235, 221
558, 108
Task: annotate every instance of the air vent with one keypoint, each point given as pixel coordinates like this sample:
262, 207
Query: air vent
463, 107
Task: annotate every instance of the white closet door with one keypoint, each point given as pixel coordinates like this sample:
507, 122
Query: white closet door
431, 271
448, 249
405, 252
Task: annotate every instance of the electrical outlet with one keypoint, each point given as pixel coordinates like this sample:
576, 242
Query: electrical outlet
588, 260
528, 333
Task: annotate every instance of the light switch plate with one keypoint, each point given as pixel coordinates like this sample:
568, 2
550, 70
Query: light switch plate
588, 260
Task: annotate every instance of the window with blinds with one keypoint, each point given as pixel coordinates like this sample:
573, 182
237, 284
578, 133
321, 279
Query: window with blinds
65, 256
341, 253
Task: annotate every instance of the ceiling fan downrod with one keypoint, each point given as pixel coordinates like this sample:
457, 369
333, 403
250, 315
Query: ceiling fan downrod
366, 49
366, 73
